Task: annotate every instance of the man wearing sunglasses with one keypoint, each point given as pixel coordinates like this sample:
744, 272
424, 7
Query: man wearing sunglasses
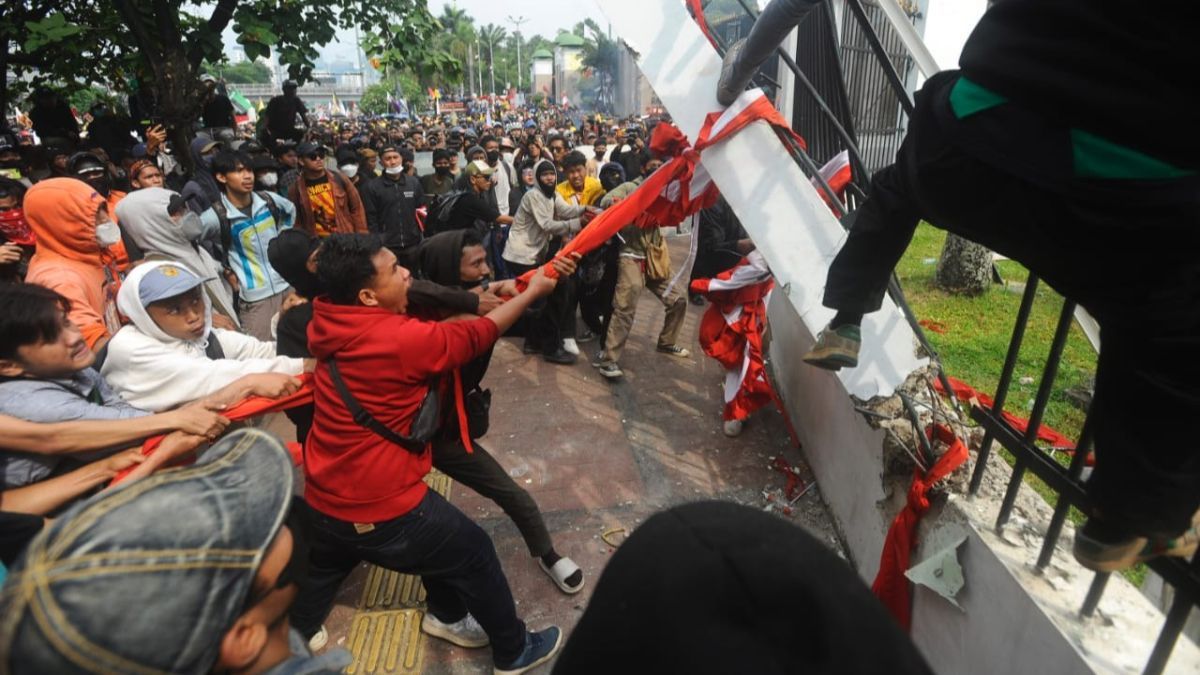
326, 201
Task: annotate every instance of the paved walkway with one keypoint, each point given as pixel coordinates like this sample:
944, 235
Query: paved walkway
596, 456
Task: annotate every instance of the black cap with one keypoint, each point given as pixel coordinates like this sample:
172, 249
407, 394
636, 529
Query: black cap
290, 84
307, 148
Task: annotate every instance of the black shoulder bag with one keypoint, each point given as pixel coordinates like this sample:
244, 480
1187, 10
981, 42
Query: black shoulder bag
424, 427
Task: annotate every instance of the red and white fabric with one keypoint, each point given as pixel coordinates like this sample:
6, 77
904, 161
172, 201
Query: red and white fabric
731, 331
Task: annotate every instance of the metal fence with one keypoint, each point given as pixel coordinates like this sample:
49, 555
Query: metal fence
1066, 483
877, 108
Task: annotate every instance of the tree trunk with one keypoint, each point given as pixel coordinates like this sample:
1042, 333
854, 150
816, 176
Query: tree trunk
965, 267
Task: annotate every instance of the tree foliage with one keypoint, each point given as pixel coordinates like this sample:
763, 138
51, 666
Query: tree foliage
158, 46
246, 72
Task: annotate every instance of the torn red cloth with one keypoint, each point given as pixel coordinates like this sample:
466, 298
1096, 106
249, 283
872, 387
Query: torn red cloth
731, 331
251, 406
679, 188
1046, 434
891, 586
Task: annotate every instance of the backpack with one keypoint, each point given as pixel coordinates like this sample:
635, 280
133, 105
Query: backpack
218, 207
443, 207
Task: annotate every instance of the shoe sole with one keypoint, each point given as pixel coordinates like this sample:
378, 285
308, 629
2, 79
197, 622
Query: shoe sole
682, 357
524, 669
830, 360
453, 638
1090, 554
610, 375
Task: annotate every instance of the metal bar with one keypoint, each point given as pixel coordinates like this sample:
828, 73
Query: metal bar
1045, 387
908, 35
847, 139
1095, 591
1063, 506
1177, 616
1010, 364
1051, 472
898, 297
926, 447
881, 55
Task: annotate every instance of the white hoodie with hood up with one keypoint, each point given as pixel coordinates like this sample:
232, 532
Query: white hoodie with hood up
154, 371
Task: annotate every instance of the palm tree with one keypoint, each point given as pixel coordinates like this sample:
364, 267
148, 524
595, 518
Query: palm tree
459, 35
602, 54
491, 36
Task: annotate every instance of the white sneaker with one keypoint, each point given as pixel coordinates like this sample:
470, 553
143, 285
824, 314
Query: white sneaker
733, 427
466, 632
318, 641
571, 347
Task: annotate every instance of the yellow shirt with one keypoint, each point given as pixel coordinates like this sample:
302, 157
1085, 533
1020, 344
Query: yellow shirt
592, 192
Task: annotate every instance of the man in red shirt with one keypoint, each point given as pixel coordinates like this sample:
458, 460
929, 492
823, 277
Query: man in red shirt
366, 491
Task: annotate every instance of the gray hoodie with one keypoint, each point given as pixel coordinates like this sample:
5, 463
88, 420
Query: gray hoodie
538, 218
144, 216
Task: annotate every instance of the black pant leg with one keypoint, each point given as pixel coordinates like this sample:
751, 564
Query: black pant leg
483, 474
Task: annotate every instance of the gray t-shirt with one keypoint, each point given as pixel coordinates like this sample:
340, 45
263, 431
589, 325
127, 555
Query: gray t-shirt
85, 396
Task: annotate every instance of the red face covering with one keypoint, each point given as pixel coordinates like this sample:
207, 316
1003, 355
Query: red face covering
15, 229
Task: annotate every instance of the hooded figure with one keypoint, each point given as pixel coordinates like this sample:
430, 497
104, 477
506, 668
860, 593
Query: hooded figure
154, 371
202, 190
73, 255
145, 216
543, 214
611, 175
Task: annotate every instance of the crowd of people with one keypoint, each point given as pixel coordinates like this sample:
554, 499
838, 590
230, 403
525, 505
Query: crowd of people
149, 293
146, 293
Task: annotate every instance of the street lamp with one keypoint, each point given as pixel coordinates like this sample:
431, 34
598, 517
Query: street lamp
517, 21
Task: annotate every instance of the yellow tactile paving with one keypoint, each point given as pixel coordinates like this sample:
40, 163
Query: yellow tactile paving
385, 636
386, 642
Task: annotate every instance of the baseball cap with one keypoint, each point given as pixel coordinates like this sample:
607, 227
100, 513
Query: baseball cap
307, 148
478, 168
149, 576
166, 281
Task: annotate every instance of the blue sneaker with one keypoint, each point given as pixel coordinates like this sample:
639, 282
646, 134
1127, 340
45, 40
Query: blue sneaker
540, 647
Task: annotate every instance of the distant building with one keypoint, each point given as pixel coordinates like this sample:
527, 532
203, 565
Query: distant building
541, 73
568, 67
632, 93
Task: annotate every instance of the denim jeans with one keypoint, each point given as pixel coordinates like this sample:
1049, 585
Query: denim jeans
453, 556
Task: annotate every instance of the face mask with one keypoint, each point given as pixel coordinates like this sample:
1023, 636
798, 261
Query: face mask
101, 184
15, 229
610, 181
493, 157
442, 170
349, 169
269, 179
191, 227
107, 234
394, 170
508, 157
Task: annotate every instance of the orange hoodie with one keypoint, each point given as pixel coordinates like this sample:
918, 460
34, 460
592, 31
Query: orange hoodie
62, 212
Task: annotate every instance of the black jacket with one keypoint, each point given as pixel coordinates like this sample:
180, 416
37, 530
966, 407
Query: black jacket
1101, 66
391, 207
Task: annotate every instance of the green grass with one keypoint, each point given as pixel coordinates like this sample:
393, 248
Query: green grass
975, 342
978, 331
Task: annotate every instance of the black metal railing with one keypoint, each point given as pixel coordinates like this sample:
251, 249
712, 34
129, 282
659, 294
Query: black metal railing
1066, 481
870, 108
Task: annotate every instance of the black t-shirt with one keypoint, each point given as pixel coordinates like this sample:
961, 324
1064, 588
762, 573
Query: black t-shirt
218, 112
469, 208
